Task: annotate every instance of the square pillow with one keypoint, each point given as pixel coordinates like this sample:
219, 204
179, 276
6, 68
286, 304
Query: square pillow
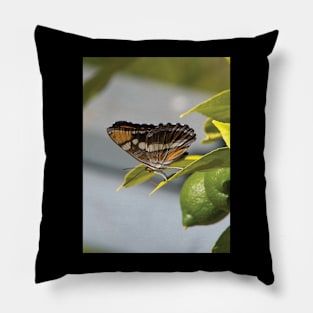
89, 85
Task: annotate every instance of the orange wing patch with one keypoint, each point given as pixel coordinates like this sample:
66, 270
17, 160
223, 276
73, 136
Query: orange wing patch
120, 136
175, 154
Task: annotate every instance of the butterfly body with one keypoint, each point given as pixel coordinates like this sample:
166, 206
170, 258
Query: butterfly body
156, 146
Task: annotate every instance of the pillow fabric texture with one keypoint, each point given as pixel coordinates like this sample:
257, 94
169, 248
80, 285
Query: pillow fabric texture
60, 252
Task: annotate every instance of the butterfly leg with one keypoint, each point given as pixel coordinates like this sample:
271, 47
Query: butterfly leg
161, 173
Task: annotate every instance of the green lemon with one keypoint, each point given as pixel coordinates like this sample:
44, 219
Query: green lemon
204, 197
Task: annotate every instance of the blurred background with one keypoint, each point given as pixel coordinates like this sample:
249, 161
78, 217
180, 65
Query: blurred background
142, 90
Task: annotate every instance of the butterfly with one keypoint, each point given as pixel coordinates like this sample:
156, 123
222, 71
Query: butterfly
156, 146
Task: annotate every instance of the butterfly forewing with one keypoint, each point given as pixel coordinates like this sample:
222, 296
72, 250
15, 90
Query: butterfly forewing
155, 146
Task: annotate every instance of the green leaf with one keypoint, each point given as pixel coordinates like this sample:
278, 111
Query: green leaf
215, 159
135, 176
216, 107
223, 243
224, 129
212, 134
204, 197
139, 174
189, 164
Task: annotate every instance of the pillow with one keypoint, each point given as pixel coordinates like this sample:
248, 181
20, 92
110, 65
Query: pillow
63, 246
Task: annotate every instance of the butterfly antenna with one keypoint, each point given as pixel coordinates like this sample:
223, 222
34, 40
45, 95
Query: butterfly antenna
127, 168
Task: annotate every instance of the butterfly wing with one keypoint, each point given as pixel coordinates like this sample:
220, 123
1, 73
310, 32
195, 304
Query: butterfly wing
131, 138
167, 143
155, 146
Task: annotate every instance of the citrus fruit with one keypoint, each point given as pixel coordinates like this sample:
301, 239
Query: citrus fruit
204, 197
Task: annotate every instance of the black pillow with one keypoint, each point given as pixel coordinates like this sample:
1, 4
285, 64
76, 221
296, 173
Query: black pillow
61, 249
